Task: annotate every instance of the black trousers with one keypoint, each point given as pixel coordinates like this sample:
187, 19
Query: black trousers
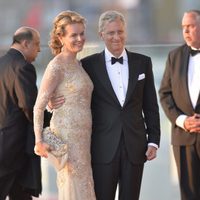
119, 172
9, 186
188, 166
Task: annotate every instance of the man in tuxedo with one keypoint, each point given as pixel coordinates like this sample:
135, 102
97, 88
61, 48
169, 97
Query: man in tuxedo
18, 94
126, 126
179, 96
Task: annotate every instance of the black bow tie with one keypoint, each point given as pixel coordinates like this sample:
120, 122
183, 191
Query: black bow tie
114, 60
194, 52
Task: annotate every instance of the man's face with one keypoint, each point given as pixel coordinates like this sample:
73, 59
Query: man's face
33, 47
191, 29
114, 36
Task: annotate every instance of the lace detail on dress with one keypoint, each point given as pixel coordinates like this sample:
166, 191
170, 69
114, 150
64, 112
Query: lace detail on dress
72, 122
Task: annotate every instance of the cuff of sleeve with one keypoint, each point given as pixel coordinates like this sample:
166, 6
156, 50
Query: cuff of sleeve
180, 121
49, 109
37, 140
153, 144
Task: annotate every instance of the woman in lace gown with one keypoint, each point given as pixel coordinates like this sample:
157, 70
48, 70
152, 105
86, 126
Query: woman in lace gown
71, 122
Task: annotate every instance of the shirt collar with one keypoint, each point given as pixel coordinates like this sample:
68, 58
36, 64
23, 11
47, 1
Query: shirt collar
194, 48
108, 55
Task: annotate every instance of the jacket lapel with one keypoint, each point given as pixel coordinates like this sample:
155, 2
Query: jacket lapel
197, 107
133, 64
103, 77
184, 76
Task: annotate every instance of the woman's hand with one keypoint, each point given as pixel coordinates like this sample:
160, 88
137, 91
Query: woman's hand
41, 149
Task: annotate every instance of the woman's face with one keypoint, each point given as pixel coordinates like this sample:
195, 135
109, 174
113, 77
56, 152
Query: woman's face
74, 38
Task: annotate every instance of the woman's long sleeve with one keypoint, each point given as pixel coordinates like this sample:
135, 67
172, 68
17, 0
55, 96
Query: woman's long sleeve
48, 85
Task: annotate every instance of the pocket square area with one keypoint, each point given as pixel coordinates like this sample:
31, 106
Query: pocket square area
141, 76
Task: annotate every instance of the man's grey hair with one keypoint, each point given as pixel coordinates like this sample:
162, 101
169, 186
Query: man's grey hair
196, 12
110, 16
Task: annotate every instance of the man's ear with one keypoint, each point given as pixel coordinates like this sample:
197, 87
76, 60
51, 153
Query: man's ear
101, 35
25, 43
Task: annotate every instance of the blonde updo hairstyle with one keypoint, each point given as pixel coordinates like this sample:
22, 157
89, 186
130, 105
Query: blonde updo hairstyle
60, 22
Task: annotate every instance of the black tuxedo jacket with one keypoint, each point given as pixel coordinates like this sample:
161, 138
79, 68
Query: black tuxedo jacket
138, 119
18, 94
174, 94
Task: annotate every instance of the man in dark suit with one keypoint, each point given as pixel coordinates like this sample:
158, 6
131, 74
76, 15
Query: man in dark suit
126, 127
18, 95
179, 96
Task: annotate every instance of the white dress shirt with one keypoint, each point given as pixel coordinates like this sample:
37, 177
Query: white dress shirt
118, 74
193, 85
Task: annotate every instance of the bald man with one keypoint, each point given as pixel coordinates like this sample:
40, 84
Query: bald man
18, 93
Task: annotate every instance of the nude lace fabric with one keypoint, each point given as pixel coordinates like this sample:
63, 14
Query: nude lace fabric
72, 122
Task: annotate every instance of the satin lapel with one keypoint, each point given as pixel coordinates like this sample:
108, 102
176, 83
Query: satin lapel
197, 107
133, 66
184, 76
103, 77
